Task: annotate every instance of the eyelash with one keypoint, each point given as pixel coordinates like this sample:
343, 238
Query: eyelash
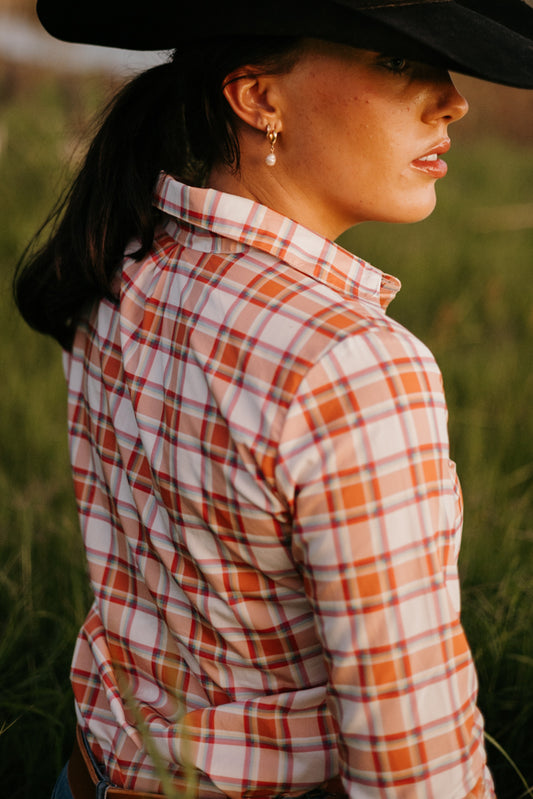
396, 64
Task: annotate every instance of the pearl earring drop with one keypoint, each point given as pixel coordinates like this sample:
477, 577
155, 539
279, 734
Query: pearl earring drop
272, 136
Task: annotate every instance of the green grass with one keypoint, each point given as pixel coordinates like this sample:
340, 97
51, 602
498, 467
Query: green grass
467, 293
43, 588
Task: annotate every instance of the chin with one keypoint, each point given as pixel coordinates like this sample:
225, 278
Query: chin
417, 212
403, 212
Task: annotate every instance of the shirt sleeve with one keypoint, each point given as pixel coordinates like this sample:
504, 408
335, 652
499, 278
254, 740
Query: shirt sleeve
377, 521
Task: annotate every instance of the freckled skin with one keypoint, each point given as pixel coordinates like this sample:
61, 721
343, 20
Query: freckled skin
351, 123
351, 152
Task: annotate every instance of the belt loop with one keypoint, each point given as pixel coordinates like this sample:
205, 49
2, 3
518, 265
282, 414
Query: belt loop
102, 782
85, 777
101, 789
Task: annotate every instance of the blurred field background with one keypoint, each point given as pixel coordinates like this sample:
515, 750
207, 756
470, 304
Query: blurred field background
468, 289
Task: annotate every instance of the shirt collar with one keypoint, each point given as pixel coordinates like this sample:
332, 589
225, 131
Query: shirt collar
214, 221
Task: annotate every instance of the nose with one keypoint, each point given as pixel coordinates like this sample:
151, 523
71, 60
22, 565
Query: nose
447, 103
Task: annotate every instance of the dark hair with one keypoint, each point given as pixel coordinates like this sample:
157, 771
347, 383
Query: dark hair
173, 118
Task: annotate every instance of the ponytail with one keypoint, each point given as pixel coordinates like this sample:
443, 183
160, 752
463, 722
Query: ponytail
171, 118
109, 202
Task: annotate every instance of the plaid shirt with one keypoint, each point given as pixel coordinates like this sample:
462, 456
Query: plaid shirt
271, 520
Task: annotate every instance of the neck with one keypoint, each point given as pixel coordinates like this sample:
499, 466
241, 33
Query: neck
273, 187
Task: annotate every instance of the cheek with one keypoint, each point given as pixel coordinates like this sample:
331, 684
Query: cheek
346, 136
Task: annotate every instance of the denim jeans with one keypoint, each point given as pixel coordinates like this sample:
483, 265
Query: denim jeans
62, 789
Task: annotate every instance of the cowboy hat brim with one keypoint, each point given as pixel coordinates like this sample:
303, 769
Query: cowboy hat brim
488, 39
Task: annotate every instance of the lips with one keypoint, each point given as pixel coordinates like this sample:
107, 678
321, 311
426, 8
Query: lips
430, 163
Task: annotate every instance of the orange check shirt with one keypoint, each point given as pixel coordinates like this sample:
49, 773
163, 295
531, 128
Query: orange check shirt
271, 521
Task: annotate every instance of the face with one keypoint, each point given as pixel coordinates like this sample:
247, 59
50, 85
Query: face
361, 136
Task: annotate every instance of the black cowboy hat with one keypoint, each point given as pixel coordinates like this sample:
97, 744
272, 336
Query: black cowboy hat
489, 39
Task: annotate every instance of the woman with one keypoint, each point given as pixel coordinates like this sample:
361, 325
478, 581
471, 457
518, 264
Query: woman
260, 454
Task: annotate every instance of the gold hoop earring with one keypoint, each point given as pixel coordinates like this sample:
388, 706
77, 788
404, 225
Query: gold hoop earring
272, 137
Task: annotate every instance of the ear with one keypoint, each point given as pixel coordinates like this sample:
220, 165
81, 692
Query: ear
253, 96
